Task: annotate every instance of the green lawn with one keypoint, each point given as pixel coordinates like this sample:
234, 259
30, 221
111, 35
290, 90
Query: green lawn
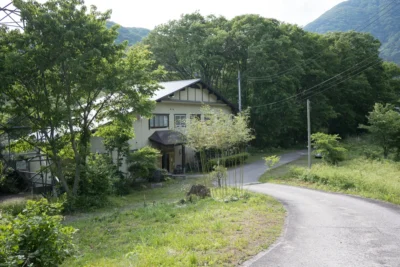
150, 228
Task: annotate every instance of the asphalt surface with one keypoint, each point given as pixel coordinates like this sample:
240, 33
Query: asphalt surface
252, 171
324, 229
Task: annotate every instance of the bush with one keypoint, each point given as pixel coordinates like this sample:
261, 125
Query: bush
228, 161
10, 181
143, 162
99, 178
328, 146
35, 237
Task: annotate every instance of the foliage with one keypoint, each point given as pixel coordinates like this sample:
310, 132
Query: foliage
384, 126
356, 14
369, 178
130, 34
11, 181
228, 161
219, 173
13, 206
220, 131
278, 65
35, 237
271, 161
99, 179
116, 135
329, 147
143, 162
65, 74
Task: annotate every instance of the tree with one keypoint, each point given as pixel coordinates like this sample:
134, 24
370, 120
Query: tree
66, 74
328, 146
279, 63
116, 135
222, 132
384, 126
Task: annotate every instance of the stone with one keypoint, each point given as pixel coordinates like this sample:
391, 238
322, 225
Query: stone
199, 190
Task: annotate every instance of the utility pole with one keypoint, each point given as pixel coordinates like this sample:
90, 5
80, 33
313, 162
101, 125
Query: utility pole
240, 92
309, 133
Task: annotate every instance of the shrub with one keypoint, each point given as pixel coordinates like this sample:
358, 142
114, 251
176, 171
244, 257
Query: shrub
10, 181
143, 162
228, 161
99, 178
220, 174
35, 237
328, 146
271, 161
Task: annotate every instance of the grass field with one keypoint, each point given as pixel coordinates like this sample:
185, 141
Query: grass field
151, 228
358, 175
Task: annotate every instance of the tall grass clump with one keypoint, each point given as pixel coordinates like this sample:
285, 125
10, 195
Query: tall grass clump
369, 178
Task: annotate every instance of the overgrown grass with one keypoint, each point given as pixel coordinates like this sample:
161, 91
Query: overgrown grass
152, 227
15, 205
364, 173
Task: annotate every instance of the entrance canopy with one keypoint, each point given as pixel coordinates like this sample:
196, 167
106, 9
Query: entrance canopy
168, 138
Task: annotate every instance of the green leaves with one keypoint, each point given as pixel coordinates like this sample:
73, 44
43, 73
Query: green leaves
279, 63
219, 130
329, 147
271, 161
66, 75
143, 162
36, 236
384, 126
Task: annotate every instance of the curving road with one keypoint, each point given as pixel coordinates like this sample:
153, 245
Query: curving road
325, 229
253, 171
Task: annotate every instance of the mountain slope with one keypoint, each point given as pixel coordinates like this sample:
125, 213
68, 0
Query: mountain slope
381, 18
130, 34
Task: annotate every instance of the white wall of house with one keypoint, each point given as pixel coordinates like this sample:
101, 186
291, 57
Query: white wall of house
184, 102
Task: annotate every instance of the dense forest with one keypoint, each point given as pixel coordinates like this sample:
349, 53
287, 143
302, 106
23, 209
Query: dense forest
282, 65
131, 34
381, 18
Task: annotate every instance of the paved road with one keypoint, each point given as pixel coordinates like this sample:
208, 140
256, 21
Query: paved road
324, 229
254, 170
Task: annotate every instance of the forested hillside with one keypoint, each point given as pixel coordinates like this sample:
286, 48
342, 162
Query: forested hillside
131, 34
381, 18
282, 65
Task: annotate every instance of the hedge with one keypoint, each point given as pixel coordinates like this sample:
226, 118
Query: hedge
228, 161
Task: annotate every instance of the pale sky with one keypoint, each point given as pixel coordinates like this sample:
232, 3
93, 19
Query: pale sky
149, 13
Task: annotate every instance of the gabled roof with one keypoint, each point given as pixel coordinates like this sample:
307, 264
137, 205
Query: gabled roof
175, 86
172, 87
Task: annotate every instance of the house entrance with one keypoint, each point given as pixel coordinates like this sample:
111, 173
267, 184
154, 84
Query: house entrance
167, 161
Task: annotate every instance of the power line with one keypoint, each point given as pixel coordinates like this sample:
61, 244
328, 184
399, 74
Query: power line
353, 74
315, 86
378, 16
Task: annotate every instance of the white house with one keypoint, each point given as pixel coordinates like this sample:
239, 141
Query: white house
177, 101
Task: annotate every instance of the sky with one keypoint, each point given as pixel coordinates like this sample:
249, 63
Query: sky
150, 13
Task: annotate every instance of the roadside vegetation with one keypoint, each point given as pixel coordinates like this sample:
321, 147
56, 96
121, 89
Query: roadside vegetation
365, 172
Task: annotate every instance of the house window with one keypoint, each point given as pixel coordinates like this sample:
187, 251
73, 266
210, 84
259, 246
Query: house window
207, 117
159, 121
180, 121
195, 116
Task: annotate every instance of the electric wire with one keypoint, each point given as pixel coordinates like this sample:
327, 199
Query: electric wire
320, 84
349, 76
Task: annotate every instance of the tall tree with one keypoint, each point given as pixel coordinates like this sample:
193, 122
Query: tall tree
66, 74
